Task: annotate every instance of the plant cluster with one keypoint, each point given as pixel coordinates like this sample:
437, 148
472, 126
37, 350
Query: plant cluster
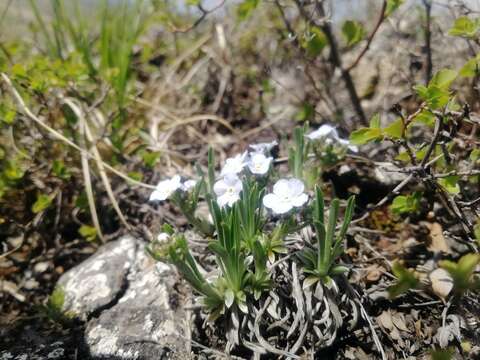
258, 234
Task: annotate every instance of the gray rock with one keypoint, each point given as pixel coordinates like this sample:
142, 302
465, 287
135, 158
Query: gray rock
129, 301
96, 282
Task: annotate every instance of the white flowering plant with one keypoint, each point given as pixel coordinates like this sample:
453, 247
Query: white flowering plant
261, 226
313, 151
320, 263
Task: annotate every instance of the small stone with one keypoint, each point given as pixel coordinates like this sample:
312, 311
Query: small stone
40, 267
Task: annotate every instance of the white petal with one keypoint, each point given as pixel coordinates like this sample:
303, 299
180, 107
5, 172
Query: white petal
227, 199
233, 198
322, 131
222, 200
282, 207
263, 147
275, 203
220, 187
163, 237
259, 164
300, 200
158, 195
176, 181
270, 200
189, 184
296, 186
231, 179
281, 187
234, 165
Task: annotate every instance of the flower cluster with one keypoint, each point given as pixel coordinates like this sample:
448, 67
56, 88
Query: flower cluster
249, 223
166, 188
229, 187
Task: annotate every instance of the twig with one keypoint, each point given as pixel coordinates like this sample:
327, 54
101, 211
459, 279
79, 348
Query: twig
336, 60
428, 39
376, 340
89, 190
381, 18
98, 160
204, 12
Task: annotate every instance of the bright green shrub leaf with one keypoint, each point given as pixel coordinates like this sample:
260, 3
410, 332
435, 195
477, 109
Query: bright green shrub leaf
43, 202
18, 70
305, 113
425, 117
56, 300
403, 156
471, 68
135, 175
150, 158
365, 135
353, 32
462, 272
475, 155
406, 280
443, 78
465, 27
245, 9
13, 171
406, 203
395, 130
450, 183
375, 122
392, 5
60, 170
89, 233
434, 96
316, 42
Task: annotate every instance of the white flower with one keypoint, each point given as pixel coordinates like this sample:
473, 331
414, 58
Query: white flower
323, 131
189, 185
287, 194
346, 143
331, 134
163, 237
235, 164
228, 190
259, 164
263, 147
166, 188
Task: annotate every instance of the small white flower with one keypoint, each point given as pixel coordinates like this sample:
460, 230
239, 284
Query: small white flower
259, 164
323, 131
163, 237
189, 185
330, 134
166, 188
263, 147
228, 190
235, 164
346, 143
287, 194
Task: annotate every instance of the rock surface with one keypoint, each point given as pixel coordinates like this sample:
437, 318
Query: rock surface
129, 303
